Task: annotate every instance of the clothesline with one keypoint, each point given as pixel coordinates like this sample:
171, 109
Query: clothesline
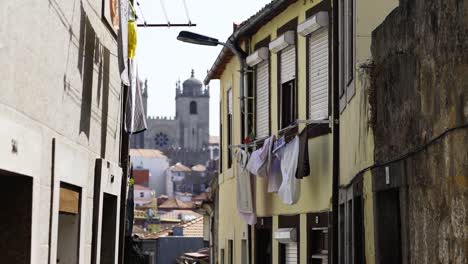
293, 125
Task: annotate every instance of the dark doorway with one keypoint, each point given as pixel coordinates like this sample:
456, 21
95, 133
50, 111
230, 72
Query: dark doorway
15, 223
108, 233
263, 241
388, 227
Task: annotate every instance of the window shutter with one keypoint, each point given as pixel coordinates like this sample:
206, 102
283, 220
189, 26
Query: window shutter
291, 253
318, 75
230, 101
288, 64
262, 84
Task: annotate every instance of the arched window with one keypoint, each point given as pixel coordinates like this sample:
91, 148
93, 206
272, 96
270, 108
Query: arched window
193, 108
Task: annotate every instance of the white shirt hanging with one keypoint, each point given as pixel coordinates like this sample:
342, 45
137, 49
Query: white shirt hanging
290, 188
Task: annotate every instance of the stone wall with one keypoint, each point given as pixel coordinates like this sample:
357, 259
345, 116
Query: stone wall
419, 90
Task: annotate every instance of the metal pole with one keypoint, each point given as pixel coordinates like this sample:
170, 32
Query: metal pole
336, 135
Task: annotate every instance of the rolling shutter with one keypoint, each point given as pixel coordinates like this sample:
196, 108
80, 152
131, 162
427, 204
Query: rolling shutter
262, 84
229, 99
291, 253
288, 64
318, 75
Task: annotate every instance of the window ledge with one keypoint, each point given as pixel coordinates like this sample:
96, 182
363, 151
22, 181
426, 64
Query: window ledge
317, 130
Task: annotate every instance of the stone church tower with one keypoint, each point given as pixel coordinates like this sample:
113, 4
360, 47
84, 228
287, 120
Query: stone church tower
185, 137
193, 114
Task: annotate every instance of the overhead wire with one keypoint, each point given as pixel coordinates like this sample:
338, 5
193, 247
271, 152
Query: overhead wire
165, 12
187, 12
414, 151
141, 12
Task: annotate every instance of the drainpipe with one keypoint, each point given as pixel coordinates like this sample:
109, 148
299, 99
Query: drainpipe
241, 55
336, 135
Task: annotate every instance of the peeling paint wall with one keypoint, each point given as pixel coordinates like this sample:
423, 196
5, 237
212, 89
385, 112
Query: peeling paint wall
421, 89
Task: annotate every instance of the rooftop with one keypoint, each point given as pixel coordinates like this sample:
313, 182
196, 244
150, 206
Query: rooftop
147, 153
173, 203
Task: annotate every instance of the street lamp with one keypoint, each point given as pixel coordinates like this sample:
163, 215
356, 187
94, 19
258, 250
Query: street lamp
194, 38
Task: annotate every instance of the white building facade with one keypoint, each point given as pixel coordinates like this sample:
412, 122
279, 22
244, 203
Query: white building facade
60, 137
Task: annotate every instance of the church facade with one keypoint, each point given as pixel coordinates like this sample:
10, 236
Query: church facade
185, 137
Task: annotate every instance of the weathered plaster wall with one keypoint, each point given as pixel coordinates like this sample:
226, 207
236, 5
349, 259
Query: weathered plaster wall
60, 80
421, 89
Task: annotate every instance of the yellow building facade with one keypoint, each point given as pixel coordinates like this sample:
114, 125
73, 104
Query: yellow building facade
311, 215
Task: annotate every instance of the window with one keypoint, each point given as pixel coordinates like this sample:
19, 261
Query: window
69, 217
287, 103
262, 84
222, 256
317, 237
161, 140
318, 74
193, 108
230, 252
142, 194
347, 47
351, 229
287, 100
229, 126
244, 251
289, 252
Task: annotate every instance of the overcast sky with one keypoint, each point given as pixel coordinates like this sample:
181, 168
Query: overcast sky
163, 60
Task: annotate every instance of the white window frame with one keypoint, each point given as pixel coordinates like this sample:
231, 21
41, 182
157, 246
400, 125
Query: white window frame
347, 37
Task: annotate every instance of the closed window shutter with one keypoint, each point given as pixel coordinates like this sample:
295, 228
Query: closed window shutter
318, 75
230, 101
262, 83
288, 64
291, 253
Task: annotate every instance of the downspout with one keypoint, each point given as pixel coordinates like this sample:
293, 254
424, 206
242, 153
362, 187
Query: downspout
241, 55
336, 135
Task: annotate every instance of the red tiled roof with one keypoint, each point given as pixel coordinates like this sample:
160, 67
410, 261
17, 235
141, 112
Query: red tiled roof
173, 203
201, 197
194, 228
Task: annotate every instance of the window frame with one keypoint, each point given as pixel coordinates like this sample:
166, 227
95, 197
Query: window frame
193, 108
316, 130
262, 43
229, 120
347, 216
291, 25
291, 106
347, 51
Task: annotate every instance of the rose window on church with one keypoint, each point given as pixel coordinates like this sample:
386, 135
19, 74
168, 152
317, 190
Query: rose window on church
161, 140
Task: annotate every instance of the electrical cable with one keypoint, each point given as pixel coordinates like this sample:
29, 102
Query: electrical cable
141, 12
414, 151
187, 12
165, 12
